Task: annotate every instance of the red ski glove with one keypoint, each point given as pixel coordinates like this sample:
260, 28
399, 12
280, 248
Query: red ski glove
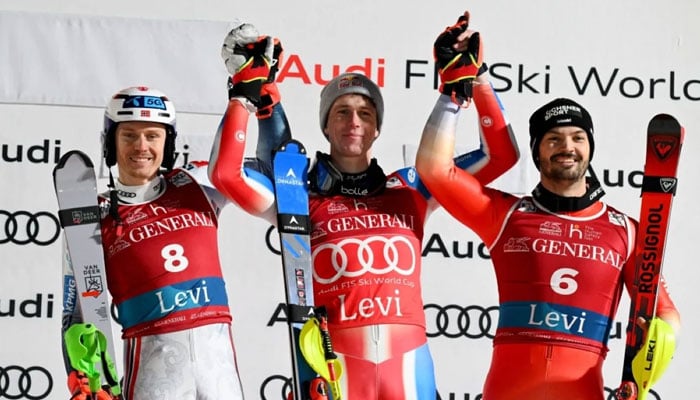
458, 65
253, 61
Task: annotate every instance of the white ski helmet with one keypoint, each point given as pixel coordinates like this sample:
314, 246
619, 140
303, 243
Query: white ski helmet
139, 103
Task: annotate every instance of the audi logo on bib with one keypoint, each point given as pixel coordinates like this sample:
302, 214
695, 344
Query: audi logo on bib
376, 255
24, 227
454, 321
32, 383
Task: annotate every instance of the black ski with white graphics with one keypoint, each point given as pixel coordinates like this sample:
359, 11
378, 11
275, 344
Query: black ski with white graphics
290, 165
76, 192
647, 351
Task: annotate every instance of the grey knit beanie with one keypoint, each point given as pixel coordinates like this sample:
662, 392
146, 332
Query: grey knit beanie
347, 83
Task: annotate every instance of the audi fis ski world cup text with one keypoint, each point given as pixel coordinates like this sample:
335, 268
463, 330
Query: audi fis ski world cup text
507, 77
589, 80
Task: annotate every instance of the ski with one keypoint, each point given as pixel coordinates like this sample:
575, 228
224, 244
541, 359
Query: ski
290, 165
645, 360
76, 191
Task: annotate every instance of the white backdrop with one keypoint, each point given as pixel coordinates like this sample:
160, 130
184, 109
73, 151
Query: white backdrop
624, 61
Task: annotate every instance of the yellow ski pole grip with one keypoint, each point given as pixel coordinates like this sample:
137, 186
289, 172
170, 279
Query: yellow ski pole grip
654, 356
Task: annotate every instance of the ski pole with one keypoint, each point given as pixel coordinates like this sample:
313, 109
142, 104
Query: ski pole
654, 356
85, 345
329, 354
313, 349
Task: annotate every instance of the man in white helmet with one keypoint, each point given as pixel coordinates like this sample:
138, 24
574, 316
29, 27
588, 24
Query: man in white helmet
160, 239
367, 226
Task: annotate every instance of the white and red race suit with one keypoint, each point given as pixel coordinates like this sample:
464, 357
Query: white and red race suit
165, 279
367, 256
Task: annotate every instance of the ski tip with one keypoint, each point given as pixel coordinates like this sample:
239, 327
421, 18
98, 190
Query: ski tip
664, 123
73, 156
292, 146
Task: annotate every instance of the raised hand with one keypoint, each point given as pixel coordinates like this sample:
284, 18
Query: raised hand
458, 53
253, 61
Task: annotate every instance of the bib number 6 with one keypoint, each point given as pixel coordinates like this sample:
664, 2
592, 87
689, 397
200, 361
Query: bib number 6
563, 282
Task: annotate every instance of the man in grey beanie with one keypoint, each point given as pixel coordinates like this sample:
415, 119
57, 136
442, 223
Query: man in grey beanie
368, 239
348, 83
351, 111
367, 231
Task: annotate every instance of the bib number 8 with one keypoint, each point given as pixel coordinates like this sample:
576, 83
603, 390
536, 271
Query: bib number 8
174, 256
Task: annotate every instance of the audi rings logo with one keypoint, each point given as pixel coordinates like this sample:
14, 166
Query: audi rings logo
454, 321
25, 383
23, 227
275, 387
269, 240
398, 253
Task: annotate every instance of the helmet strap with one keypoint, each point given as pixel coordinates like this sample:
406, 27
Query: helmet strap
114, 204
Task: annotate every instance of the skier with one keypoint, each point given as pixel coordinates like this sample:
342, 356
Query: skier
159, 231
561, 255
367, 227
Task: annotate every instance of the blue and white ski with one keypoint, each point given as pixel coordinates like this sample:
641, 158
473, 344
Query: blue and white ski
290, 166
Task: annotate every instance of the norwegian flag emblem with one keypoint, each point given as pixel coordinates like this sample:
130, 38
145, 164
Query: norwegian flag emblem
77, 217
146, 113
